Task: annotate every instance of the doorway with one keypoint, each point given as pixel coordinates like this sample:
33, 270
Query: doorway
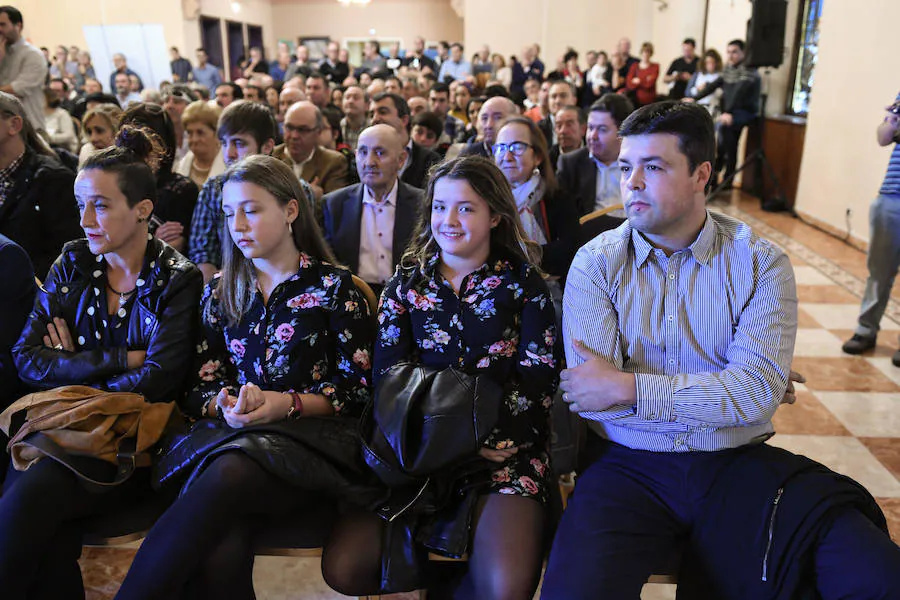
236, 48
211, 40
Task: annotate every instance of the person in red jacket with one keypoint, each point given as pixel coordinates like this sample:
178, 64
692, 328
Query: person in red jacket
642, 76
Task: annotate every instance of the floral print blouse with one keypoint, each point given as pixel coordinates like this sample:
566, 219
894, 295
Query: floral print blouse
502, 324
314, 336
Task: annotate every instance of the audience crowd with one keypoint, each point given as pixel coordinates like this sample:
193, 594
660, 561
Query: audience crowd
538, 227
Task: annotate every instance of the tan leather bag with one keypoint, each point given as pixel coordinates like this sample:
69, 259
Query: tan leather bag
83, 421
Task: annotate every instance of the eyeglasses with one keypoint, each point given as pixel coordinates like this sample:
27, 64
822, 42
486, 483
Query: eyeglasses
515, 148
300, 130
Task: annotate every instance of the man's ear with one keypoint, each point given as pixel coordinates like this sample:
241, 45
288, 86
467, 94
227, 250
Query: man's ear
701, 175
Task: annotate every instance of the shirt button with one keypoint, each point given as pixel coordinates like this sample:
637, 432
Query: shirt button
679, 442
382, 256
671, 317
671, 361
672, 276
379, 234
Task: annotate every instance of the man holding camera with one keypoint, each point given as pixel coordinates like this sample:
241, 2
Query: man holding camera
884, 242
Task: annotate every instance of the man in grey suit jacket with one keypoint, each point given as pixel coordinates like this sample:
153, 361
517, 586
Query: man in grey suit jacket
370, 224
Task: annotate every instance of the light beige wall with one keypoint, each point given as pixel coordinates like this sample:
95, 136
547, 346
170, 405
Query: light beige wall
433, 19
842, 165
52, 22
252, 12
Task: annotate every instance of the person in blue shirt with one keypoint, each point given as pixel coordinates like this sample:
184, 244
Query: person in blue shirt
206, 74
455, 68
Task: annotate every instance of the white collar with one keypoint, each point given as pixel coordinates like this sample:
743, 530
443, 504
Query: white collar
390, 199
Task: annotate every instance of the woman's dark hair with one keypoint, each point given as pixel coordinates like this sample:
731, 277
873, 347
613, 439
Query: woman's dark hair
713, 54
539, 147
129, 160
569, 55
690, 123
333, 115
508, 238
154, 118
238, 284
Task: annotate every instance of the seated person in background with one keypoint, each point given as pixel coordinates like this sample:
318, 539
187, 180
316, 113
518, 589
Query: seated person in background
325, 170
331, 138
227, 92
369, 225
560, 95
427, 130
37, 207
710, 72
176, 195
546, 210
740, 87
278, 276
472, 110
355, 105
204, 159
417, 104
592, 173
682, 405
468, 294
570, 126
16, 300
287, 98
58, 123
439, 103
99, 128
117, 312
493, 114
393, 110
245, 129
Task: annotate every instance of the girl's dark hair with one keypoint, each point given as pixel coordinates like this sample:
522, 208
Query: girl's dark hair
508, 238
238, 284
539, 147
129, 159
153, 118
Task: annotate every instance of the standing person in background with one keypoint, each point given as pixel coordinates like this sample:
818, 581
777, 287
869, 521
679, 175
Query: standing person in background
884, 241
334, 70
85, 71
255, 64
682, 69
181, 67
642, 76
120, 64
23, 69
206, 74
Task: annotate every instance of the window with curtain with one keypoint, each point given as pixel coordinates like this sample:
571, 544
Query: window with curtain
806, 58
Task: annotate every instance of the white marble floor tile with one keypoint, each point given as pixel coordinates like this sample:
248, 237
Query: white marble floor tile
817, 342
865, 414
807, 275
840, 316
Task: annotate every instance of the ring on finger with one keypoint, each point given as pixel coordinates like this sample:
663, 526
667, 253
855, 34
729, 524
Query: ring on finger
58, 347
565, 396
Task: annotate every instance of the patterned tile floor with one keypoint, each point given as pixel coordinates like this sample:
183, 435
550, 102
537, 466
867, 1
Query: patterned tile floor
847, 416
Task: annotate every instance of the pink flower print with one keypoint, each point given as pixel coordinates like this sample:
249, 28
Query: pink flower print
304, 301
529, 484
395, 307
539, 467
284, 332
361, 358
441, 337
483, 363
350, 306
237, 348
504, 445
208, 370
328, 281
269, 353
304, 261
549, 338
503, 348
492, 282
419, 301
501, 476
258, 368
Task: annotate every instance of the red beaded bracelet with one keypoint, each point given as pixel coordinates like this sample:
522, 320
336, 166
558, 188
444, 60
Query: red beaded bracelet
296, 410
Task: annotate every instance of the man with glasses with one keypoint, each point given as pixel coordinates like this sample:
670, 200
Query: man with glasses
325, 170
491, 117
369, 225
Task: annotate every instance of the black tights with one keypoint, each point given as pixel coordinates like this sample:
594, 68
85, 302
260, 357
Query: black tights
40, 529
202, 546
504, 563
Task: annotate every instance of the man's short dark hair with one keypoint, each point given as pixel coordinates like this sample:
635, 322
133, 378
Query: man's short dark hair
497, 89
236, 92
102, 98
690, 123
617, 105
440, 88
398, 100
14, 14
429, 121
571, 85
570, 54
248, 117
738, 43
582, 116
444, 43
690, 41
58, 80
457, 45
201, 50
317, 75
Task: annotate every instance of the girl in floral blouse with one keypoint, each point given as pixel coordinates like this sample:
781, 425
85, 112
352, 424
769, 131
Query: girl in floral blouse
467, 295
286, 335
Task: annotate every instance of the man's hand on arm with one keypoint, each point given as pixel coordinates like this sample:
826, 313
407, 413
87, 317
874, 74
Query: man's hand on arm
887, 129
596, 384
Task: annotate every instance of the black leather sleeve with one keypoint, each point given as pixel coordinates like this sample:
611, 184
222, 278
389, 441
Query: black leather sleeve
44, 368
163, 376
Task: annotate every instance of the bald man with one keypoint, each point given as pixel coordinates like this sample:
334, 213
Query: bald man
288, 97
491, 117
325, 170
370, 224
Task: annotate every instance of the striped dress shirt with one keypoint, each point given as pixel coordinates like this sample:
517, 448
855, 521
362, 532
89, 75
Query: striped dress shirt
708, 332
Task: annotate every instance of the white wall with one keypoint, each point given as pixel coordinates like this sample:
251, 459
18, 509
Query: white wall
842, 165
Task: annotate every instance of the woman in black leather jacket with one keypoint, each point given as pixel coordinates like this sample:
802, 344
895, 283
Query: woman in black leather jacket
116, 312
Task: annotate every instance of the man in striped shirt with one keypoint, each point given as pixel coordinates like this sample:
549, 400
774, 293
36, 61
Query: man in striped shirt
884, 242
679, 329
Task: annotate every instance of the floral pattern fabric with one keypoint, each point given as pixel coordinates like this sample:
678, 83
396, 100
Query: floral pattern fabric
314, 336
501, 324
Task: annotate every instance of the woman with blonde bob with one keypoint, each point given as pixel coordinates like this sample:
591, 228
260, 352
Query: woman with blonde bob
99, 126
204, 158
286, 338
467, 294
